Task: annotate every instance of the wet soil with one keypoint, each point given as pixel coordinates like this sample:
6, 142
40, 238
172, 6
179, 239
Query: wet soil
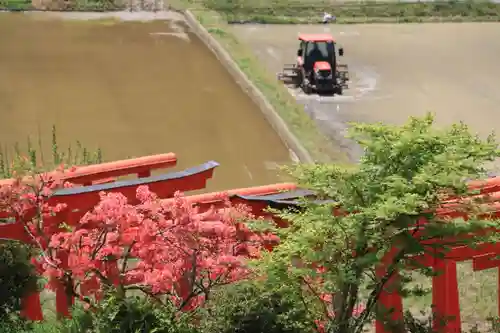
397, 70
131, 88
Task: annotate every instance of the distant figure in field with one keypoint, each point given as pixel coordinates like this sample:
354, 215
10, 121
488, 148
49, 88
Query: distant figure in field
327, 18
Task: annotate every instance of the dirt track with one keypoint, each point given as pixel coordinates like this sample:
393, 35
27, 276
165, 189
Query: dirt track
398, 71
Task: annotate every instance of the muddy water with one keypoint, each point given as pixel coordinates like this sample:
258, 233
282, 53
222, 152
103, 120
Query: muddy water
131, 88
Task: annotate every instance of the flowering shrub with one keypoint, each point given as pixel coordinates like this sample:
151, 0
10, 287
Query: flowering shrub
160, 247
167, 249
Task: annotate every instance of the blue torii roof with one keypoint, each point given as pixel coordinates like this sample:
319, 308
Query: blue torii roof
290, 198
138, 181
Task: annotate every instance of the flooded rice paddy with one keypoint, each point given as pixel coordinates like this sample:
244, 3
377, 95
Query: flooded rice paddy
132, 89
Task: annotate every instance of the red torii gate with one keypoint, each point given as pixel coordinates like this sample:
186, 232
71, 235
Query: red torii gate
110, 171
445, 292
103, 177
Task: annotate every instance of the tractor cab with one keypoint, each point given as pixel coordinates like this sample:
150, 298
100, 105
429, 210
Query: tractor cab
317, 68
317, 52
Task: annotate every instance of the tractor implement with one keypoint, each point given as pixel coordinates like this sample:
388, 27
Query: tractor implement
317, 69
289, 75
343, 74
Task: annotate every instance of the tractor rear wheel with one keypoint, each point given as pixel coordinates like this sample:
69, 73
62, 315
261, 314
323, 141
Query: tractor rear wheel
306, 86
296, 79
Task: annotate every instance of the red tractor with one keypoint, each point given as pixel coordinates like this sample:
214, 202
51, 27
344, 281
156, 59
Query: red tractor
317, 68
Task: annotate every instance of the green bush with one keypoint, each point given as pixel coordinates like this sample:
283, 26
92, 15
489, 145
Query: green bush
14, 324
18, 325
17, 277
126, 315
251, 308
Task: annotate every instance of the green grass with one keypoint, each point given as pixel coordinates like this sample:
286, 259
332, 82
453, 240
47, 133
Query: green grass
60, 5
290, 12
15, 4
19, 159
477, 294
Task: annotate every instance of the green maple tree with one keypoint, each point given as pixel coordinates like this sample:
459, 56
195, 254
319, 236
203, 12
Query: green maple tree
405, 173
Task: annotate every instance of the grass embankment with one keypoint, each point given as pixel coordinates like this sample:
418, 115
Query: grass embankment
63, 5
319, 146
294, 12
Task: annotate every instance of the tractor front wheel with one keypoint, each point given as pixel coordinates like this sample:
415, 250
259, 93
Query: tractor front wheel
339, 90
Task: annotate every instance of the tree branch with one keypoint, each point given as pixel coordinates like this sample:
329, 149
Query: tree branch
315, 293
